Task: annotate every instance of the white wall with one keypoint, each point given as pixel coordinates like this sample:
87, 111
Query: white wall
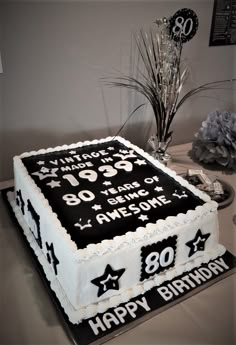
54, 55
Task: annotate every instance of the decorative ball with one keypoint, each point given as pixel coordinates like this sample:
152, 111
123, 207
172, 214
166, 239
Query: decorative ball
215, 142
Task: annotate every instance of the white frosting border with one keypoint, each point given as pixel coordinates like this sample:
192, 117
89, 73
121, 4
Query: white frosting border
141, 233
76, 316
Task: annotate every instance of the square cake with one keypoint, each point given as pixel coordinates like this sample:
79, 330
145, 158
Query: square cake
108, 222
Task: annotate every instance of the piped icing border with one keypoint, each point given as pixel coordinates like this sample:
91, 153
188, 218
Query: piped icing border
141, 233
76, 316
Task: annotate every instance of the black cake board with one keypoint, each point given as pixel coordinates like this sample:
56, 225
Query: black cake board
82, 334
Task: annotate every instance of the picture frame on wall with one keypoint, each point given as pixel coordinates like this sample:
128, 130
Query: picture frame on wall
223, 25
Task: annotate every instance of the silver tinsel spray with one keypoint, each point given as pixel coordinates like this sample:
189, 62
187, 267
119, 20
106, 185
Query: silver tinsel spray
215, 142
160, 78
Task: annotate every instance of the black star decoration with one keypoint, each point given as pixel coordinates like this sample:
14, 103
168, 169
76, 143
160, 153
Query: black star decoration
52, 259
20, 201
109, 280
198, 243
34, 223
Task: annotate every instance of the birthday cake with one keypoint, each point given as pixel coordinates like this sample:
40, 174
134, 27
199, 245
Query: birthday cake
108, 222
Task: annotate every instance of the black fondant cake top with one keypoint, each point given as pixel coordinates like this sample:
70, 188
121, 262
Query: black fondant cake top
105, 190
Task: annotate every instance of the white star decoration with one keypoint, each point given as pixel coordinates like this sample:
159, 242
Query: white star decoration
83, 226
96, 207
45, 172
158, 189
143, 217
140, 162
109, 278
196, 243
130, 154
124, 151
107, 183
72, 152
54, 184
180, 196
110, 148
40, 162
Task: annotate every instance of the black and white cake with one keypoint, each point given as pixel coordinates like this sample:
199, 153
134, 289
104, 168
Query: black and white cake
108, 222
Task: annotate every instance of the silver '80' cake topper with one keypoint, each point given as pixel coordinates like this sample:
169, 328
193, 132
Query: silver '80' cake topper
183, 25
